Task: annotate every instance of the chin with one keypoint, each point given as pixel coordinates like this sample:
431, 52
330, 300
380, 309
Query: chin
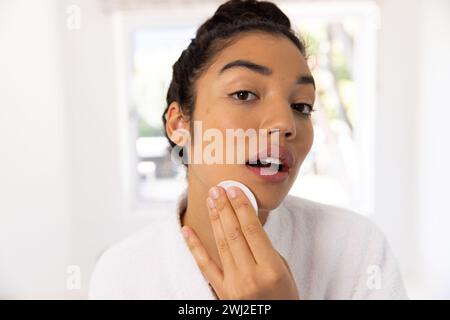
269, 202
268, 195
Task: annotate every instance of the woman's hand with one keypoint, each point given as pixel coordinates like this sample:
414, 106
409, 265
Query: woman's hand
252, 268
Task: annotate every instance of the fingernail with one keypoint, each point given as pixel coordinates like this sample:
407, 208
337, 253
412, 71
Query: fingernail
185, 233
210, 202
231, 192
214, 192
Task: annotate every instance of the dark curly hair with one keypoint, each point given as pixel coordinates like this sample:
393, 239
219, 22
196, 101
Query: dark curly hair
230, 20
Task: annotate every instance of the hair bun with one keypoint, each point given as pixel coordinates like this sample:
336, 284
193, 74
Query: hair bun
235, 11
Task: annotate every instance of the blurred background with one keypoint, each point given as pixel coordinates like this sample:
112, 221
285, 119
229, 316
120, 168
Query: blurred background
83, 160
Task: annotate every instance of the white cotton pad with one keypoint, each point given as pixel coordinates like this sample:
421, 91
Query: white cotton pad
228, 183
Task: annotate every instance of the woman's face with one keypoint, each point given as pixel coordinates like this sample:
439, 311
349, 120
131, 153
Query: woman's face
270, 100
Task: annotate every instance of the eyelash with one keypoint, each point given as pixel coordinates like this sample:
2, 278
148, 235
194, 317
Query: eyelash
311, 109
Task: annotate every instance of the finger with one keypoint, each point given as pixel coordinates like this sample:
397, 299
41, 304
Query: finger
254, 233
232, 229
219, 236
206, 264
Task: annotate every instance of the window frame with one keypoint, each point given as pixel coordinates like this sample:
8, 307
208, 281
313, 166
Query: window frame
367, 12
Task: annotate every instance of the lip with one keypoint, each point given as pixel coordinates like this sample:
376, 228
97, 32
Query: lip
280, 176
286, 158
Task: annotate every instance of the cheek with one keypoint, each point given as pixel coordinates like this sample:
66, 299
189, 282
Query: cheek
232, 117
219, 117
224, 117
305, 138
310, 135
221, 112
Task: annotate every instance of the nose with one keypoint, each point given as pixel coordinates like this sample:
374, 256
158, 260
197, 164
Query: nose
280, 118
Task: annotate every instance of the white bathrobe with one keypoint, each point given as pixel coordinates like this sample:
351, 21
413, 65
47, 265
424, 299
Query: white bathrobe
333, 253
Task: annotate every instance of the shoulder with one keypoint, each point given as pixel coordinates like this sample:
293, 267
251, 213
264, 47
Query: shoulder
324, 216
337, 229
123, 264
350, 247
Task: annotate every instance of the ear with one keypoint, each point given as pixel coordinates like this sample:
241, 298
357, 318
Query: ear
175, 120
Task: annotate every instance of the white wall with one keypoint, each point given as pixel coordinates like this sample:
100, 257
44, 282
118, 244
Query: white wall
96, 128
396, 130
433, 153
412, 178
62, 144
34, 216
60, 172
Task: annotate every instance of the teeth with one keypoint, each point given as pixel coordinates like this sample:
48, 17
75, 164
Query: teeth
271, 160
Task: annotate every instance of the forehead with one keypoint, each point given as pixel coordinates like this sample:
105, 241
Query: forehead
276, 52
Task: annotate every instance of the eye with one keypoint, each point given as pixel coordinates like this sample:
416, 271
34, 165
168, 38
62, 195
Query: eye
242, 95
304, 108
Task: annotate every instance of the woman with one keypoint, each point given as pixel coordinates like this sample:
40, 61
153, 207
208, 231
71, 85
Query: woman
246, 69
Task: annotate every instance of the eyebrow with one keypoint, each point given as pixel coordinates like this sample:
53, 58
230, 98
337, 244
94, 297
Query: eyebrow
266, 71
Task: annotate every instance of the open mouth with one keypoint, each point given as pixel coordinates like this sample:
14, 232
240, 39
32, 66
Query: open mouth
269, 162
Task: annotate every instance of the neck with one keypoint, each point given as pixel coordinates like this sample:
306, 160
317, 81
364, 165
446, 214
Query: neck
196, 216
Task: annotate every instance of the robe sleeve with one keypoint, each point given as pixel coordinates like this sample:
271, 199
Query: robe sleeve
378, 276
104, 280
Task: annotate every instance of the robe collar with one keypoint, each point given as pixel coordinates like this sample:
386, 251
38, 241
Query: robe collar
185, 278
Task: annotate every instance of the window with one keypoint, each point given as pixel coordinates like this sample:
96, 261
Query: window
341, 41
154, 52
